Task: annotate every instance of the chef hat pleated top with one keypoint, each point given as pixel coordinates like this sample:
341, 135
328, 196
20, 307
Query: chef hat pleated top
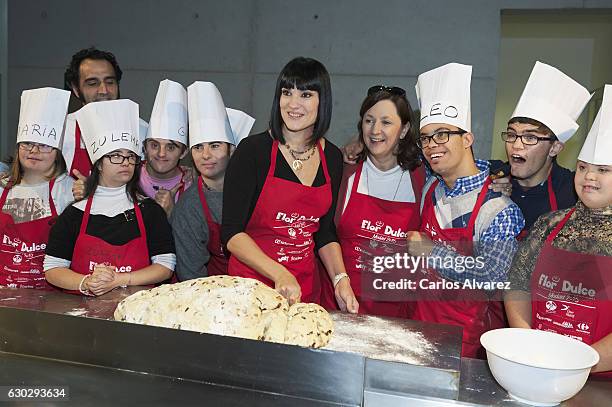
169, 116
110, 125
597, 148
209, 119
444, 96
42, 116
554, 99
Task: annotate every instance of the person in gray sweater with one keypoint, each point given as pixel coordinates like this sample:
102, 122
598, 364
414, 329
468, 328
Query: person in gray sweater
191, 231
196, 219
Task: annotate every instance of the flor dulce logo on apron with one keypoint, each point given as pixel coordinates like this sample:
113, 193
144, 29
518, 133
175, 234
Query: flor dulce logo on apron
283, 223
571, 292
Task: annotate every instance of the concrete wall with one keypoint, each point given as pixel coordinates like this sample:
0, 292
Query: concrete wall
242, 44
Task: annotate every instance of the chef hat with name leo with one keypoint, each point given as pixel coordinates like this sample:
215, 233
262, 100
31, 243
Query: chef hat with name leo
169, 115
597, 148
554, 99
444, 96
210, 120
42, 116
110, 125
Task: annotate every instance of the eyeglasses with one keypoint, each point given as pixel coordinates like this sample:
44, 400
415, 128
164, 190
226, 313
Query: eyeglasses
394, 90
120, 159
43, 148
527, 139
439, 137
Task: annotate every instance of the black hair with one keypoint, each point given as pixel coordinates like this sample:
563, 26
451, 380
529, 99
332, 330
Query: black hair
303, 74
132, 187
408, 154
72, 73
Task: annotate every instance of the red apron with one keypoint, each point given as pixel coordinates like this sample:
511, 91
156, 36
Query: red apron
369, 227
283, 225
217, 265
81, 160
90, 250
552, 200
571, 292
475, 316
22, 250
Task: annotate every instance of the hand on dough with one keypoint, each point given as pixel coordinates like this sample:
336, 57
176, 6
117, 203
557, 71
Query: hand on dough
288, 287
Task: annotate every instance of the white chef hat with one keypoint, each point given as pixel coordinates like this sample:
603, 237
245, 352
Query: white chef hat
444, 96
597, 148
42, 116
554, 99
110, 125
210, 120
169, 115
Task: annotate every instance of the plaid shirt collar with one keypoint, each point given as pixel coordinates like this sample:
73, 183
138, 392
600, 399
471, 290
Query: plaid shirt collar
464, 185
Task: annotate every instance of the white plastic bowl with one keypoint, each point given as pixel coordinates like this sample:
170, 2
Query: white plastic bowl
537, 367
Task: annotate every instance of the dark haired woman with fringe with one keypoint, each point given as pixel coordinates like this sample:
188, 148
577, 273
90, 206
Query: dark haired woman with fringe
281, 189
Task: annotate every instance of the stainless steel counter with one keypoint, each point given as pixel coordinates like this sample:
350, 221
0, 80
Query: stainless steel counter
37, 346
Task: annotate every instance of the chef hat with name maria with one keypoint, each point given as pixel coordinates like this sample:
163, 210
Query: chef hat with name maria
210, 120
42, 116
554, 99
169, 116
444, 96
110, 125
597, 148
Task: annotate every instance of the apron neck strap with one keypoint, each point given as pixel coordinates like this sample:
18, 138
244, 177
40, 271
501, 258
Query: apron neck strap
51, 203
552, 198
559, 226
203, 199
7, 188
481, 197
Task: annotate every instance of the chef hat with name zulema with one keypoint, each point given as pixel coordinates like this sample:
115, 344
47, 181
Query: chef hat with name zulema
169, 116
597, 148
444, 96
42, 116
210, 120
110, 125
554, 99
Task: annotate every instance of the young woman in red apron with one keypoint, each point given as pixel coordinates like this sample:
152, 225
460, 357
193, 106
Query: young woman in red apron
22, 248
385, 114
571, 290
196, 217
277, 245
34, 190
98, 266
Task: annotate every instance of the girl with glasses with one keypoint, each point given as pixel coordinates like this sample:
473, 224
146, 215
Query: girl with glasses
115, 237
35, 190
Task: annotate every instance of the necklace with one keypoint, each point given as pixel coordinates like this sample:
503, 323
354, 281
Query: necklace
396, 189
298, 162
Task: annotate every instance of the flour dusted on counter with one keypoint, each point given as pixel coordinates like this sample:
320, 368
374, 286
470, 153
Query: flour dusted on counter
230, 306
378, 338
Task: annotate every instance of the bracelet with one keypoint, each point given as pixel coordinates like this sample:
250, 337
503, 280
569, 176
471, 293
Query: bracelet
81, 290
339, 277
